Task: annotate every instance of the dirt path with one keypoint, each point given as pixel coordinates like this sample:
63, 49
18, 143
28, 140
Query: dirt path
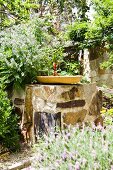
9, 161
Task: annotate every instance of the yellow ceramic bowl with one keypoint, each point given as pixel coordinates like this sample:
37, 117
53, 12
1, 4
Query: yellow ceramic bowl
59, 79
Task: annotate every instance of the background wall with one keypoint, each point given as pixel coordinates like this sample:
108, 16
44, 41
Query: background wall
92, 69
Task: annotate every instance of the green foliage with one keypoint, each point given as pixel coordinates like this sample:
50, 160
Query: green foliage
104, 18
75, 148
86, 34
16, 55
77, 31
25, 51
102, 6
8, 123
15, 11
109, 62
49, 56
104, 24
98, 32
70, 68
83, 8
57, 54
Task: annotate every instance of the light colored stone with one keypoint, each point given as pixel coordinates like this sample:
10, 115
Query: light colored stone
70, 103
38, 103
98, 75
93, 73
49, 108
28, 105
89, 90
20, 165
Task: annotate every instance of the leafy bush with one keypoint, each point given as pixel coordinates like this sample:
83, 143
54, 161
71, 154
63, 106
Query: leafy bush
13, 12
109, 62
18, 55
77, 31
70, 68
28, 50
8, 123
25, 50
76, 149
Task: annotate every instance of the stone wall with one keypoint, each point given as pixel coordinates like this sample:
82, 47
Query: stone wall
51, 106
101, 76
18, 97
93, 72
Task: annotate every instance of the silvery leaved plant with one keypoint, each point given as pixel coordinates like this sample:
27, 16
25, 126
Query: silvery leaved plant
76, 149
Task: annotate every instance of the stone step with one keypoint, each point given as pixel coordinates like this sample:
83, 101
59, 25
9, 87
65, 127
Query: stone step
21, 165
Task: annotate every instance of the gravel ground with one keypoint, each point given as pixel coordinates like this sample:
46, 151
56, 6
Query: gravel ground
8, 159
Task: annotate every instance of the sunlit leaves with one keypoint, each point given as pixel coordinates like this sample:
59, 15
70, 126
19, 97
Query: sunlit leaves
15, 11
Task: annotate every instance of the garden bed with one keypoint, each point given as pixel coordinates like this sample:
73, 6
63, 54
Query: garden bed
99, 146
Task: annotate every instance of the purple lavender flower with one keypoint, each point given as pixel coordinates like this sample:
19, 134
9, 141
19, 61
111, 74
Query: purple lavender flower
111, 167
64, 155
77, 165
70, 166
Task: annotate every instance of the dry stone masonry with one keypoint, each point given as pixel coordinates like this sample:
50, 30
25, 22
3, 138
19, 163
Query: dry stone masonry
51, 106
92, 70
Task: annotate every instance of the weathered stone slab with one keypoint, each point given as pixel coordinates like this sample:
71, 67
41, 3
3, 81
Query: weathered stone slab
20, 165
28, 112
71, 94
71, 118
18, 101
96, 103
70, 104
44, 123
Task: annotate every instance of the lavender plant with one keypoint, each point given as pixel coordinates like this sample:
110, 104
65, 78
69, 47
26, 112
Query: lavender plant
76, 149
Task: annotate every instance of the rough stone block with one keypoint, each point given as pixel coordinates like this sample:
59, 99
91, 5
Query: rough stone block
71, 118
18, 101
73, 103
101, 71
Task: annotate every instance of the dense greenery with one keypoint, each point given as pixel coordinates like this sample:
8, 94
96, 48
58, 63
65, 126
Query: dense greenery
104, 23
76, 148
98, 32
15, 11
8, 123
77, 32
26, 50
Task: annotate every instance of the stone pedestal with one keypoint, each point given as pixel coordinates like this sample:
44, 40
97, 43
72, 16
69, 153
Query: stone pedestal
49, 106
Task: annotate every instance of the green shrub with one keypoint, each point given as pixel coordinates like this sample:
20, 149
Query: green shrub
8, 123
77, 31
26, 50
19, 55
70, 68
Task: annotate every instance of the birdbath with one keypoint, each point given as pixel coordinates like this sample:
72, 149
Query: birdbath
57, 79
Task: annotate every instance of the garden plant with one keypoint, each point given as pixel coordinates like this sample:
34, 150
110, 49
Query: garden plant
76, 148
9, 136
